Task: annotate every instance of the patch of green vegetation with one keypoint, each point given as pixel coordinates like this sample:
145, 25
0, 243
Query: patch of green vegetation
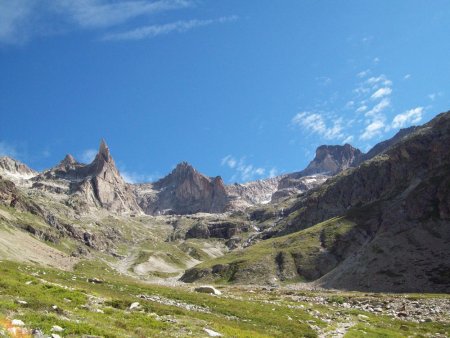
67, 299
299, 251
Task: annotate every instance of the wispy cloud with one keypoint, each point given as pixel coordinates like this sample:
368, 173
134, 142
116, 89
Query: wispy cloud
134, 177
148, 32
373, 129
434, 96
102, 13
88, 155
230, 161
21, 20
409, 117
382, 92
374, 100
316, 123
244, 171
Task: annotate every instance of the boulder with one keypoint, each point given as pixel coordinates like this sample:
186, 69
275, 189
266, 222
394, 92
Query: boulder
208, 289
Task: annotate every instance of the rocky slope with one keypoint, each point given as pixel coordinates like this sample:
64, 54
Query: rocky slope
329, 160
16, 171
183, 191
252, 193
95, 185
393, 233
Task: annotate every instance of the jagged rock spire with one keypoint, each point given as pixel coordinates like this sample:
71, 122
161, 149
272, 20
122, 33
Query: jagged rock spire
68, 160
103, 151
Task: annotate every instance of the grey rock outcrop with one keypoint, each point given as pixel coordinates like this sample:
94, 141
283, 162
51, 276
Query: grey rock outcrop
243, 195
97, 185
16, 171
387, 224
329, 160
183, 191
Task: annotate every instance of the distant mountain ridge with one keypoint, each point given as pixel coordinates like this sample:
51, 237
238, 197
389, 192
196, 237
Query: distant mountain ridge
185, 190
381, 226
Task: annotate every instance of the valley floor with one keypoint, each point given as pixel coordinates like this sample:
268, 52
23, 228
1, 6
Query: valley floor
95, 300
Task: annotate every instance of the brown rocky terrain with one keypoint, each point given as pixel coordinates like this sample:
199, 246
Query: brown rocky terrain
183, 191
95, 185
15, 170
394, 234
380, 224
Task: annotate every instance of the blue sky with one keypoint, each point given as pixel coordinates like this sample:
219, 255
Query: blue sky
241, 89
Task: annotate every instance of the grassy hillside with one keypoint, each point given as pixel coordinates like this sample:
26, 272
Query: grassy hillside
43, 298
304, 255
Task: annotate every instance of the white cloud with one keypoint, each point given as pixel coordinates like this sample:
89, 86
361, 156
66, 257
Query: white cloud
101, 13
13, 20
349, 139
243, 170
134, 177
229, 161
21, 20
88, 155
379, 80
363, 73
361, 109
375, 128
273, 172
379, 108
148, 32
407, 77
382, 92
8, 150
409, 117
350, 104
315, 123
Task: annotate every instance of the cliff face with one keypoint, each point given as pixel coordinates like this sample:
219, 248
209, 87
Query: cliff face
16, 171
252, 193
333, 159
183, 191
400, 203
382, 226
95, 185
329, 160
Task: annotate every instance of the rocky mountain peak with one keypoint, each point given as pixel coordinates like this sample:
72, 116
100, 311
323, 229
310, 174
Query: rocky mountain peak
184, 169
15, 170
103, 151
185, 191
68, 161
333, 158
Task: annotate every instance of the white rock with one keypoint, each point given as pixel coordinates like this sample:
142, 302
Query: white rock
57, 328
212, 333
17, 322
29, 282
54, 335
54, 307
208, 289
22, 302
135, 305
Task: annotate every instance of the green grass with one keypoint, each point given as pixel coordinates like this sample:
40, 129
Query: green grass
293, 254
73, 296
237, 313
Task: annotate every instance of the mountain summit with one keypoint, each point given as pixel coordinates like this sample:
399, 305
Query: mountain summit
97, 184
184, 191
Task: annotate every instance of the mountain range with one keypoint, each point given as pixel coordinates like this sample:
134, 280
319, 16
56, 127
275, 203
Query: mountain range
375, 221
